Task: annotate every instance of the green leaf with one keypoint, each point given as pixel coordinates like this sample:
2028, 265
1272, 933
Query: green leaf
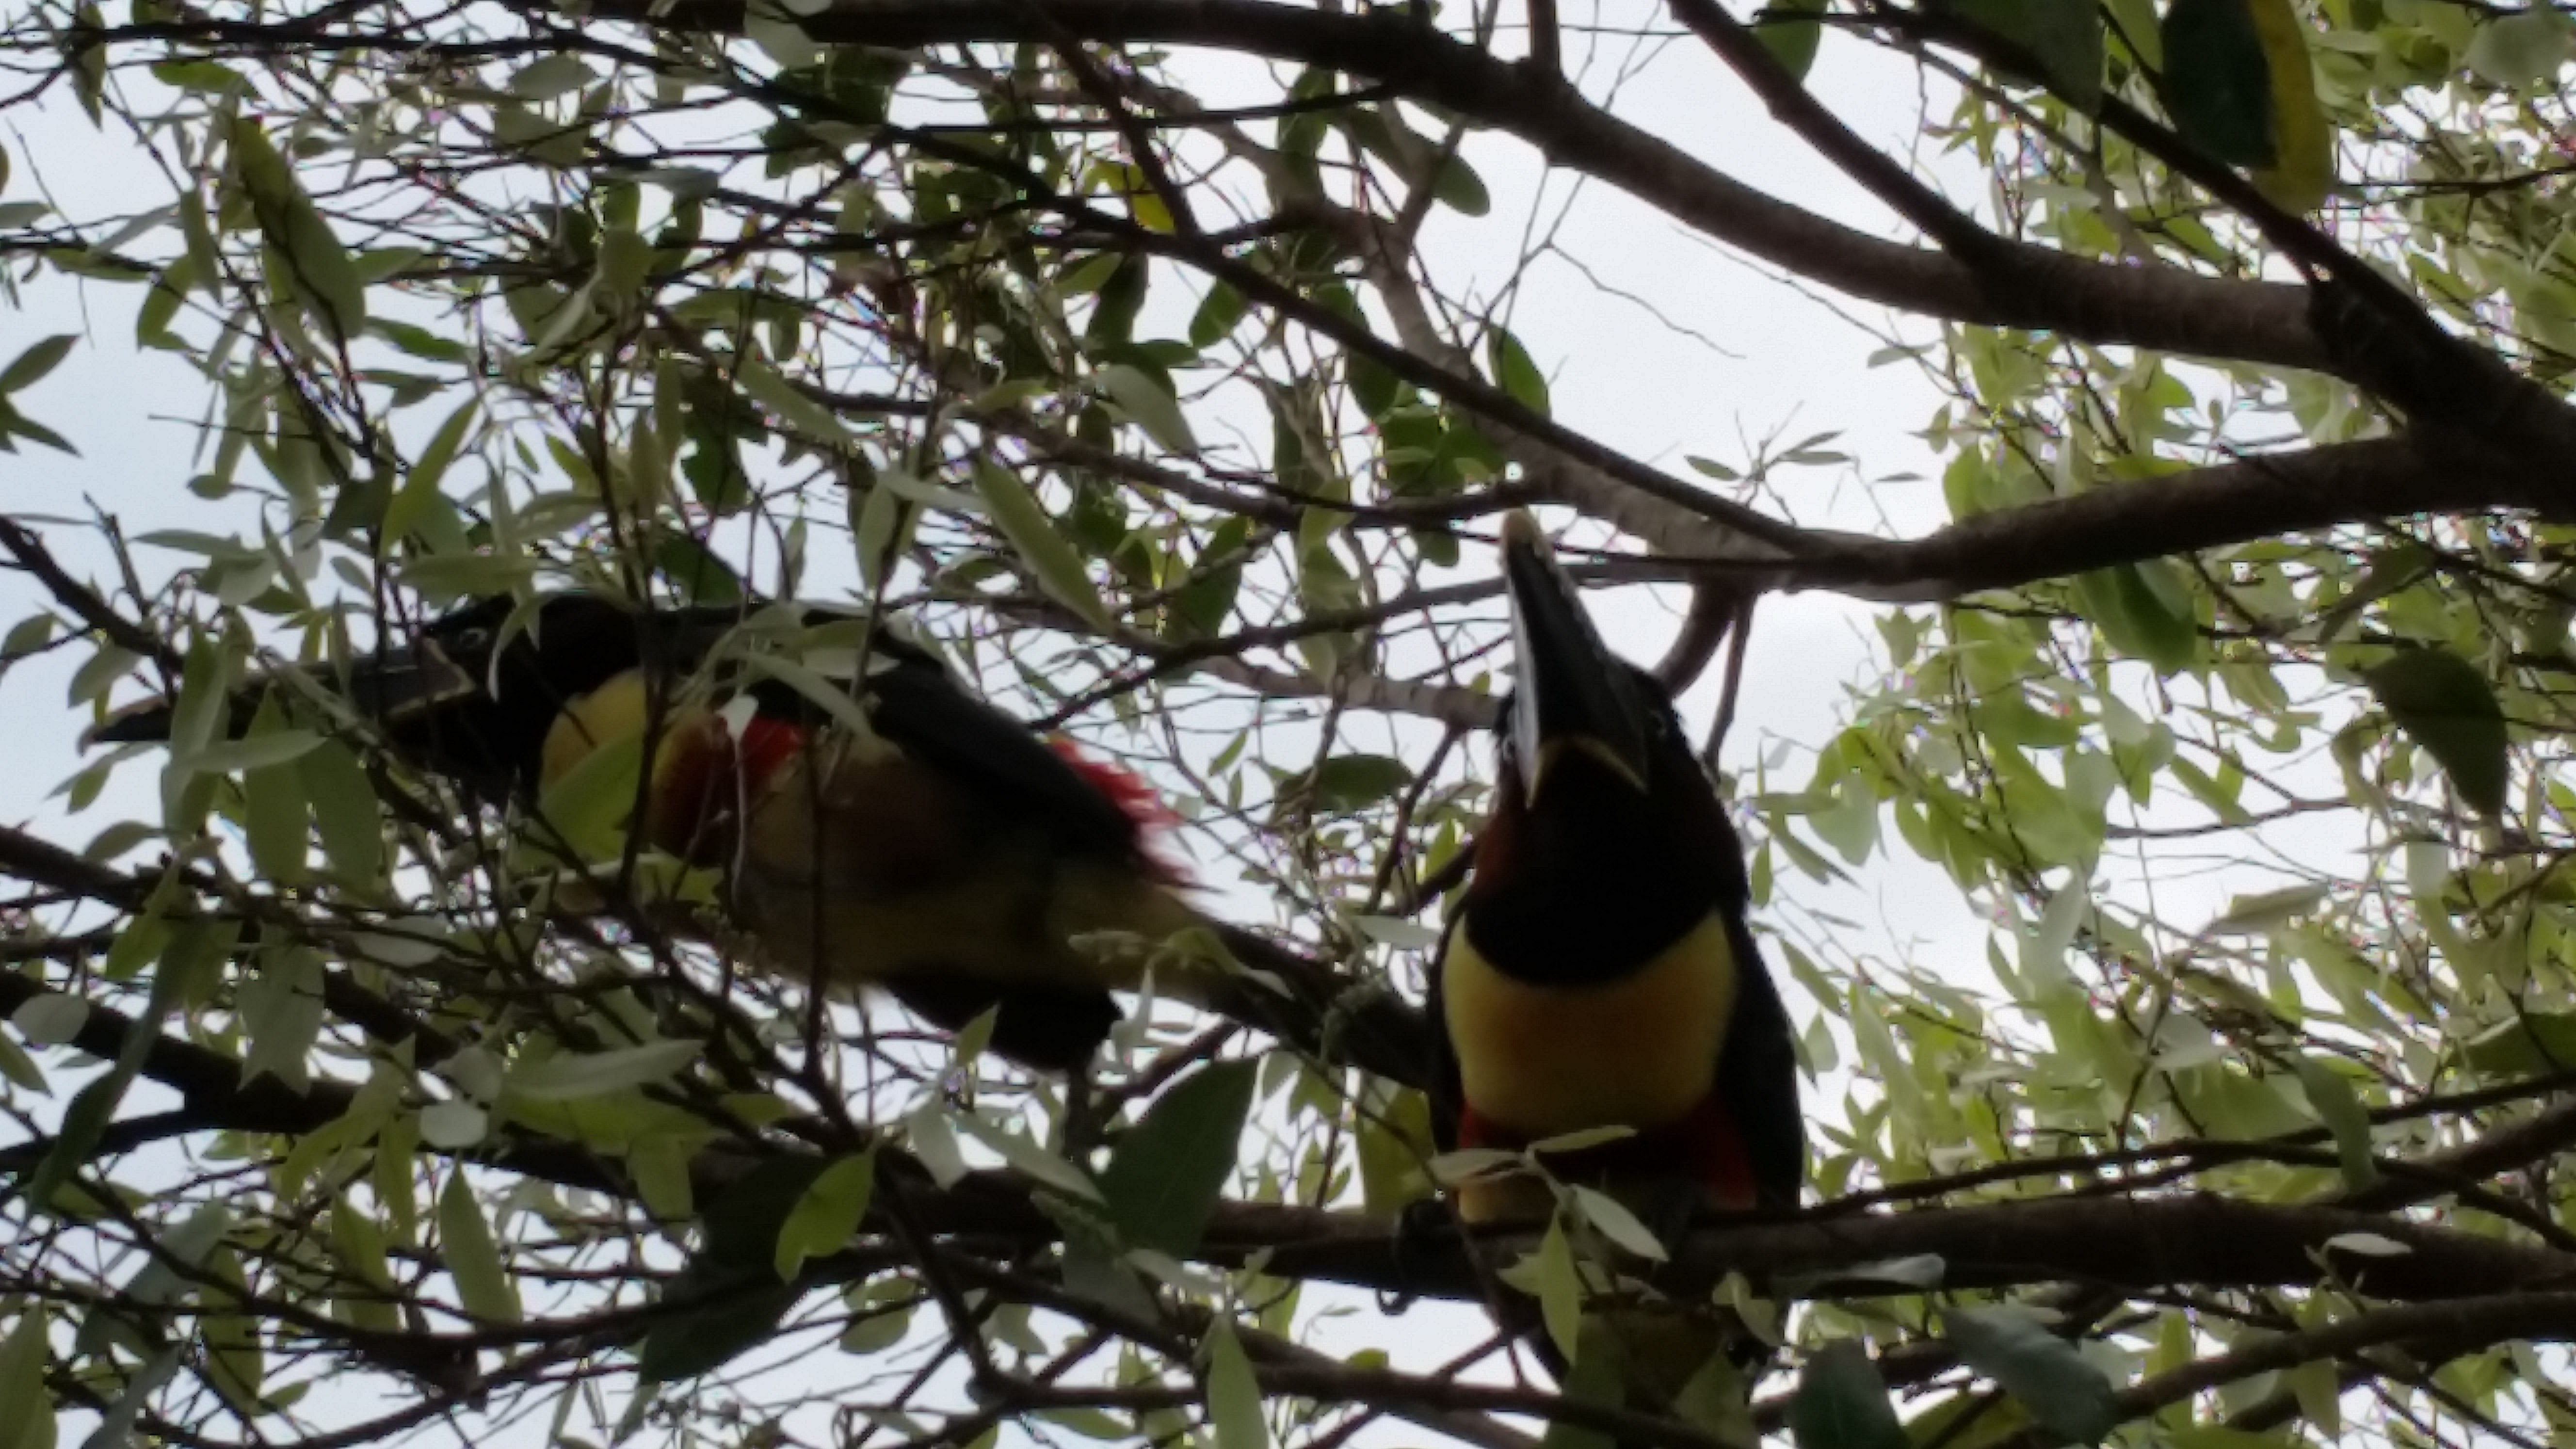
2142, 615
1089, 275
2218, 80
1614, 1220
1560, 1290
881, 1315
1514, 372
196, 75
419, 341
1350, 783
275, 820
255, 752
2338, 1106
555, 75
576, 1076
473, 1259
625, 260
1841, 1402
185, 956
1029, 1156
2515, 49
2260, 912
2065, 40
2532, 1043
1791, 37
1168, 1172
770, 388
743, 1313
84, 1121
1149, 405
1050, 557
318, 267
827, 1215
361, 1294
1394, 1143
743, 1223
2302, 170
281, 1012
2445, 704
1233, 1394
693, 568
344, 812
2043, 1372
30, 1425
20, 1069
30, 366
420, 485
1219, 313
1458, 187
1597, 1378
737, 1270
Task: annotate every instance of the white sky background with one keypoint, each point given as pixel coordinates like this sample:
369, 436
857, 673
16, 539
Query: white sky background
1767, 361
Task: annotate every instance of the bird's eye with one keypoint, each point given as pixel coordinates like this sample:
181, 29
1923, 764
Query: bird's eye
473, 641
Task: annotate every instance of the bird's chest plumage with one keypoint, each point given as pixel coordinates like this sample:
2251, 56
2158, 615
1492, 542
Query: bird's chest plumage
1638, 1050
881, 868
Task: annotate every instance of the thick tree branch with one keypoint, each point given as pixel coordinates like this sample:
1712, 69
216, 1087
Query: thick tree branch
2030, 287
2138, 1244
2256, 497
2432, 1331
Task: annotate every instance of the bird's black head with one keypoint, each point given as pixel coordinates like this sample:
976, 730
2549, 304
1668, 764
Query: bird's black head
1607, 841
464, 701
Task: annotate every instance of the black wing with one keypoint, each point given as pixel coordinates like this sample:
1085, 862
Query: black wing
1757, 1074
922, 708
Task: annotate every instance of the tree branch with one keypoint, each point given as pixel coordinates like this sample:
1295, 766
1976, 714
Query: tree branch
2167, 310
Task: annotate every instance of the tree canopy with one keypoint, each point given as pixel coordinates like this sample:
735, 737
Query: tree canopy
1150, 356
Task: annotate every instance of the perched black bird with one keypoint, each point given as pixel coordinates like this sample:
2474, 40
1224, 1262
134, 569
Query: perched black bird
906, 835
1600, 973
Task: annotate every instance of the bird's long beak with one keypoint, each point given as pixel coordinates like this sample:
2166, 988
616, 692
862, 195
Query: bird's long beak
1574, 696
392, 686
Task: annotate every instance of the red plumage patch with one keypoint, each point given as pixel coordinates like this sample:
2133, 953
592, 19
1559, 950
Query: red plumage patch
709, 777
1134, 798
767, 744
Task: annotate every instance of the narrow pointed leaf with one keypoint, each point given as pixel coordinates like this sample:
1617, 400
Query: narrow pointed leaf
2218, 81
2445, 704
473, 1258
1234, 1394
1841, 1403
2302, 169
2043, 1372
1050, 557
30, 366
1166, 1177
1149, 406
827, 1216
